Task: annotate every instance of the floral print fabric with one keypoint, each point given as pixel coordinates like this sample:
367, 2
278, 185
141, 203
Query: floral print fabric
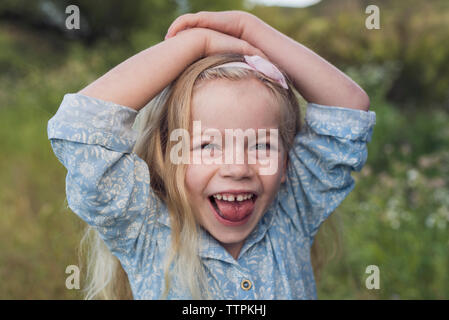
108, 186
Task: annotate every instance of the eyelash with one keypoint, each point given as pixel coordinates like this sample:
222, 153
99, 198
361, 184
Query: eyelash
267, 145
207, 144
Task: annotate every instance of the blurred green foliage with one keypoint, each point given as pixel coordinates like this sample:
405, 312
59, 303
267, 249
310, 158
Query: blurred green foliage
397, 217
411, 42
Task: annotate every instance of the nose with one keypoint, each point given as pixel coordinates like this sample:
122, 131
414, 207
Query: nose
236, 164
237, 171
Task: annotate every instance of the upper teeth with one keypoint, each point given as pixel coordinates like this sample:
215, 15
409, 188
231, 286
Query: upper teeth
231, 197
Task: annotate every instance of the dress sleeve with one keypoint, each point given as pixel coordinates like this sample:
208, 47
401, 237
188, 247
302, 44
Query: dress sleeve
331, 144
106, 185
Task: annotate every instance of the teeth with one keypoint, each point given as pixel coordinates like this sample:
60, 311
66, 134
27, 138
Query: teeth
230, 197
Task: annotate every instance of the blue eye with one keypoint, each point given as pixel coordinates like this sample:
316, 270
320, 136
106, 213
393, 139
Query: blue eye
208, 146
262, 146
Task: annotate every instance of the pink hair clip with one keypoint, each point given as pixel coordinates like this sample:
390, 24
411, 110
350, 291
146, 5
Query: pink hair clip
259, 64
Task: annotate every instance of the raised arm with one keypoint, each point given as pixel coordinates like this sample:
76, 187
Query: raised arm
134, 82
317, 80
108, 185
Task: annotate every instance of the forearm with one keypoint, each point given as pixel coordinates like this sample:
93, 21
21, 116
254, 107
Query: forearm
134, 82
315, 79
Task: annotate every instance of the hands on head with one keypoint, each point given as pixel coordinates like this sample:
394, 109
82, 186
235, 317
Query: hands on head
223, 31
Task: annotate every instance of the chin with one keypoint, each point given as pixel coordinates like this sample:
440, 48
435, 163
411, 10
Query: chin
232, 236
231, 239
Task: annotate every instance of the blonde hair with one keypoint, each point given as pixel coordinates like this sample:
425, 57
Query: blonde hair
169, 110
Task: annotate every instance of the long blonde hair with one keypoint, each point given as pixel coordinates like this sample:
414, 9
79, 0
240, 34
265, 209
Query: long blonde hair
169, 110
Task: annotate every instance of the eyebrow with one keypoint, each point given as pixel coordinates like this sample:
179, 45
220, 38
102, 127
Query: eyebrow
223, 133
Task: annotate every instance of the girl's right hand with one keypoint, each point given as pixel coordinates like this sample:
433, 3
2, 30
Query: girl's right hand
215, 42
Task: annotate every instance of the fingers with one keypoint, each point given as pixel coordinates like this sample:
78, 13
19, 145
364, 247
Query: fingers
250, 50
221, 43
246, 48
226, 22
182, 22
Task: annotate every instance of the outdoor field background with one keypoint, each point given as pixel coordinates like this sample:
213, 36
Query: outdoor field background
396, 218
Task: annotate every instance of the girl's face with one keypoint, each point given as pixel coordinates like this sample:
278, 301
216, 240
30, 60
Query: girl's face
246, 105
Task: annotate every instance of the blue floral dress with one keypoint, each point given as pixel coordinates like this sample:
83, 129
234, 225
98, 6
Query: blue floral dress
108, 186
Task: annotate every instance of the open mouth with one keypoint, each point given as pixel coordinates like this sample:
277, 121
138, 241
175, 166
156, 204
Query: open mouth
232, 209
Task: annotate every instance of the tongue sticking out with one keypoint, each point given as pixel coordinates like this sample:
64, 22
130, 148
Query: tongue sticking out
234, 210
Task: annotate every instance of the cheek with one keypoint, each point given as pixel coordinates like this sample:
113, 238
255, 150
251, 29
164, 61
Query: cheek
190, 179
273, 182
197, 177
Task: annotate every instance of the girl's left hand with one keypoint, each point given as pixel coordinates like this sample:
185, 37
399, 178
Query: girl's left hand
234, 23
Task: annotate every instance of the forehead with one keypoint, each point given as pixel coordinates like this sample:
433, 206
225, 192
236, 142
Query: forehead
226, 104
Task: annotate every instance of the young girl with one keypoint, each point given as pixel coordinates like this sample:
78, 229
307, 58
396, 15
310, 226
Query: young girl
211, 228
